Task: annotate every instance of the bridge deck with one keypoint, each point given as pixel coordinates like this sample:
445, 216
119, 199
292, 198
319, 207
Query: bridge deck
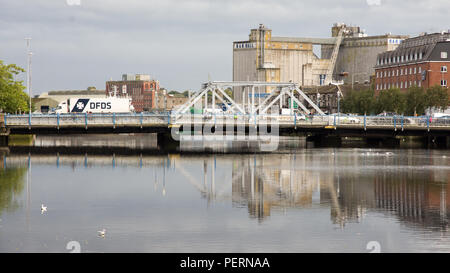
135, 122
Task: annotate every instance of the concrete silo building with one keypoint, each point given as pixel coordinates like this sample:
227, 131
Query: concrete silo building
264, 57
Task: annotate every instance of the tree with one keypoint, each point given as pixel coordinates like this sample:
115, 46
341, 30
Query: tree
415, 101
361, 102
12, 95
437, 97
348, 102
392, 100
365, 102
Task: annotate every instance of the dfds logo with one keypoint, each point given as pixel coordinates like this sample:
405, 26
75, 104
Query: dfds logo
100, 105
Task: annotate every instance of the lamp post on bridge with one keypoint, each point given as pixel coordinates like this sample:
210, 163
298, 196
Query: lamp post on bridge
339, 94
29, 53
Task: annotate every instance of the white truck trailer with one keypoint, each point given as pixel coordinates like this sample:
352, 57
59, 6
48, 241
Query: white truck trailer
95, 105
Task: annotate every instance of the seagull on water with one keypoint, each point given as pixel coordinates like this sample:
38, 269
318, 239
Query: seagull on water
102, 232
43, 208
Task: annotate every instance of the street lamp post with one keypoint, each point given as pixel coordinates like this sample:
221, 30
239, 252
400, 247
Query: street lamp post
29, 53
339, 94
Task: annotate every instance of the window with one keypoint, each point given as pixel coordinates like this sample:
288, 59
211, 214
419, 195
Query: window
378, 87
410, 70
415, 71
401, 84
420, 69
401, 71
444, 68
420, 83
389, 73
397, 72
443, 82
444, 55
384, 73
406, 84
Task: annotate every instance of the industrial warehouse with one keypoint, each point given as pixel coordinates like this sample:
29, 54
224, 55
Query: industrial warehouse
349, 51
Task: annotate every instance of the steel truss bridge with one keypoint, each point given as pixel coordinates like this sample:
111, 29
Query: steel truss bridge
253, 112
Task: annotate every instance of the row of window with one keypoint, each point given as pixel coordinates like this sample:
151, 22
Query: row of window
404, 84
406, 58
401, 72
399, 85
400, 59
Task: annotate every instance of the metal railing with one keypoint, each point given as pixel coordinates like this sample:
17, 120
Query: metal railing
166, 119
85, 119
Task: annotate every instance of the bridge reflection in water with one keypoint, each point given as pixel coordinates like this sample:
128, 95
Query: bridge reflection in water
411, 185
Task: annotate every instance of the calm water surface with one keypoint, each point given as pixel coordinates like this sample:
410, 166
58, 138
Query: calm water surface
297, 200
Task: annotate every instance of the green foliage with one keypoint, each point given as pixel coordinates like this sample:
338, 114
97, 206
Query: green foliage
391, 100
437, 96
361, 102
12, 96
11, 186
415, 101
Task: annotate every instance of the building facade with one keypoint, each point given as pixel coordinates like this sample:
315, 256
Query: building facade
167, 102
140, 87
358, 52
421, 61
264, 57
276, 59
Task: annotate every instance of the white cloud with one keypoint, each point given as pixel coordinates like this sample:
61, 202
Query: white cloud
373, 2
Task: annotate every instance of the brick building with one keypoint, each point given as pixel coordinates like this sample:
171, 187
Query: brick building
421, 61
141, 88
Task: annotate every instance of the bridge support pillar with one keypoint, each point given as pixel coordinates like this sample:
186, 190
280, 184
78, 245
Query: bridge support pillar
383, 142
3, 140
437, 141
4, 135
325, 141
166, 142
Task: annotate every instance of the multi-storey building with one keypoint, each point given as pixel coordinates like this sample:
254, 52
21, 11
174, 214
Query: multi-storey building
420, 61
140, 87
264, 57
358, 52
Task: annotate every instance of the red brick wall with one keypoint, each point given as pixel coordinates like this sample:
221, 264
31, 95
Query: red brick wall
141, 92
434, 75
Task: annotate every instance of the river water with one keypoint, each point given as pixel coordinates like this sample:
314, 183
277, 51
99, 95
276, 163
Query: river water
298, 199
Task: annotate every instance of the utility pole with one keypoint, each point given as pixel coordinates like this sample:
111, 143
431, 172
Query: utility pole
29, 53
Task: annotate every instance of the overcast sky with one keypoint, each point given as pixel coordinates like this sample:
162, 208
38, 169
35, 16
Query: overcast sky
179, 42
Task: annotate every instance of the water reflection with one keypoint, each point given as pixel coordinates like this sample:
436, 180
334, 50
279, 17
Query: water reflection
411, 186
317, 198
12, 183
